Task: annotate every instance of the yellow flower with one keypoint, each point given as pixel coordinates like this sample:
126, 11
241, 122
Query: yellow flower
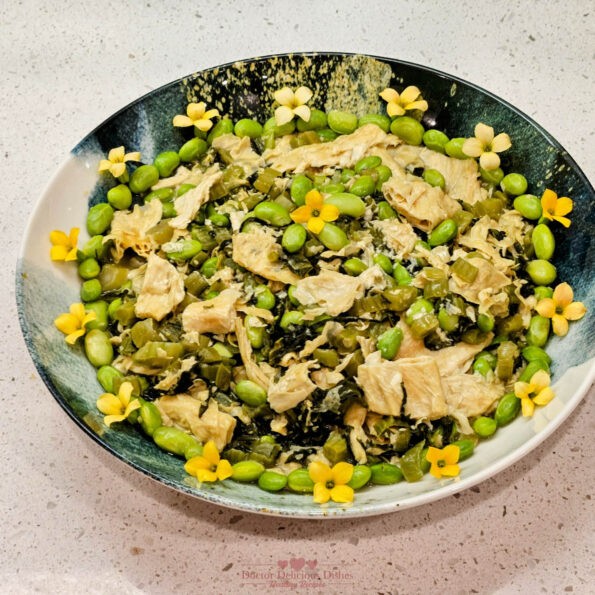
198, 116
560, 308
443, 462
315, 213
486, 146
292, 104
331, 484
116, 161
73, 324
64, 247
208, 466
535, 392
555, 208
409, 99
117, 407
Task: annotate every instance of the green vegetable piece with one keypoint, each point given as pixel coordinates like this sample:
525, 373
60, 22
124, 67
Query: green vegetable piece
101, 317
360, 477
380, 120
384, 262
434, 178
383, 173
491, 176
149, 418
99, 218
407, 129
272, 213
435, 140
300, 186
385, 211
317, 121
182, 249
106, 376
385, 474
209, 267
401, 275
143, 178
94, 248
466, 448
144, 331
192, 149
264, 297
89, 268
465, 270
507, 353
541, 272
90, 290
173, 440
354, 266
347, 203
294, 238
529, 206
335, 448
411, 463
454, 148
113, 276
514, 184
271, 481
400, 298
447, 322
485, 426
363, 186
443, 233
485, 323
255, 331
531, 368
333, 237
246, 471
369, 162
223, 126
482, 365
166, 163
507, 410
543, 241
98, 348
543, 292
158, 354
389, 342
420, 307
326, 135
119, 197
342, 122
248, 127
327, 357
532, 352
299, 481
291, 317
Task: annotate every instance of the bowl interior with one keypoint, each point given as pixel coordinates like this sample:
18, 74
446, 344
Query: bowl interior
245, 89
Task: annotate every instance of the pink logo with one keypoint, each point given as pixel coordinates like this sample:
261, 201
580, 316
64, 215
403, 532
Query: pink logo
282, 563
311, 563
297, 563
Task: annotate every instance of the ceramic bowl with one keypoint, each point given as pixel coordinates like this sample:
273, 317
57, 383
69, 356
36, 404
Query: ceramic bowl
245, 88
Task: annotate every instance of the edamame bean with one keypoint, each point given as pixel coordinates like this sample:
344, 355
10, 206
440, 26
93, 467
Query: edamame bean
508, 408
419, 307
209, 267
326, 135
332, 188
290, 317
271, 481
192, 149
162, 194
254, 331
447, 322
90, 290
182, 249
290, 294
299, 481
246, 471
541, 272
143, 178
485, 426
514, 184
491, 176
532, 353
385, 474
149, 417
193, 450
173, 440
384, 262
294, 237
531, 368
99, 218
363, 186
542, 291
333, 237
354, 266
379, 120
342, 122
101, 318
384, 173
360, 477
166, 163
466, 448
407, 129
113, 308
369, 162
272, 213
485, 322
89, 268
106, 376
385, 211
482, 365
401, 275
347, 203
435, 140
529, 206
94, 248
434, 178
300, 186
543, 241
98, 348
265, 298
317, 121
247, 127
454, 148
119, 197
389, 342
183, 188
443, 233
223, 126
250, 393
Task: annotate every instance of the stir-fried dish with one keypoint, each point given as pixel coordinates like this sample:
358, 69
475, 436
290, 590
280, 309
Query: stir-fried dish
322, 302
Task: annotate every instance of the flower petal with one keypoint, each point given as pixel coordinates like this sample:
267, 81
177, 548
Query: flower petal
321, 493
59, 238
540, 380
109, 404
320, 472
211, 113
484, 133
501, 143
67, 323
73, 236
284, 96
563, 295
435, 471
563, 220
451, 454
544, 396
302, 95
314, 199
72, 255
342, 473
182, 121
223, 469
301, 214
116, 155
574, 311
433, 455
134, 156
489, 161
472, 147
132, 406
548, 202
210, 452
559, 325
204, 475
422, 105
72, 338
117, 169
527, 407
546, 307
394, 109
108, 420
450, 470
192, 465
409, 95
522, 389
329, 213
563, 206
389, 95
196, 111
104, 165
203, 125
283, 115
125, 393
303, 111
59, 252
342, 494
315, 224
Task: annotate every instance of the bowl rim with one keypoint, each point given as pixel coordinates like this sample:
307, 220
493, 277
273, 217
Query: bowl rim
443, 491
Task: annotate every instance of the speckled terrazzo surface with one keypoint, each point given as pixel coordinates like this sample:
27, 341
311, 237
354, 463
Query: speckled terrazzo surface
77, 520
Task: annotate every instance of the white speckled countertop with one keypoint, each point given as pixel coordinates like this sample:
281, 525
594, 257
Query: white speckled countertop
76, 520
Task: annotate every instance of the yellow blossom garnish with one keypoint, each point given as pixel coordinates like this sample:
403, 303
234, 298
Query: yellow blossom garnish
443, 462
117, 407
535, 392
209, 466
64, 247
554, 208
116, 161
292, 104
315, 213
73, 324
197, 115
486, 146
409, 99
560, 308
331, 484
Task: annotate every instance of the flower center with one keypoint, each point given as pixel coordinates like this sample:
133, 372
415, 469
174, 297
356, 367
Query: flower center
330, 485
315, 213
441, 463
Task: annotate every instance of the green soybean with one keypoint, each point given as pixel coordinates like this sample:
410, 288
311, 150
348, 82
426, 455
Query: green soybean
290, 294
106, 376
533, 352
264, 297
90, 290
247, 127
101, 318
347, 203
541, 292
541, 272
485, 323
384, 262
300, 186
166, 162
369, 162
385, 211
94, 248
250, 393
434, 178
454, 148
363, 185
447, 322
379, 120
192, 149
435, 140
408, 129
389, 342
143, 178
332, 188
223, 126
531, 368
482, 365
333, 237
119, 197
360, 477
383, 173
246, 471
466, 448
271, 481
173, 440
326, 135
443, 233
294, 237
317, 121
89, 268
272, 213
385, 474
491, 176
183, 188
543, 241
342, 122
209, 267
149, 417
514, 184
401, 275
99, 218
254, 331
354, 266
98, 348
183, 249
290, 317
529, 206
485, 426
162, 194
508, 408
299, 481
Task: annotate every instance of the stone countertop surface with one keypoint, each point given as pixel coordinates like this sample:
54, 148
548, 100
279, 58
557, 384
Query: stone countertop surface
75, 519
